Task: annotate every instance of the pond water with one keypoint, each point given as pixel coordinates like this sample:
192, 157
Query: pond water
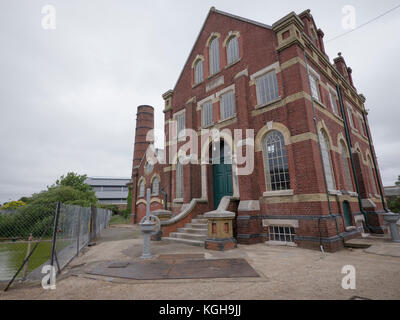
12, 255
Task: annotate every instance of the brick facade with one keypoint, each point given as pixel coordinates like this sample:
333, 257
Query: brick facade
292, 47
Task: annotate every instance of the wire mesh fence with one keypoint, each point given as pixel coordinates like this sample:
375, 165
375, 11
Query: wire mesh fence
29, 236
20, 230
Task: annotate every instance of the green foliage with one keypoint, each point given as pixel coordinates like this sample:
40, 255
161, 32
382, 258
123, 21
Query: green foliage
397, 183
113, 207
129, 202
12, 205
39, 210
394, 204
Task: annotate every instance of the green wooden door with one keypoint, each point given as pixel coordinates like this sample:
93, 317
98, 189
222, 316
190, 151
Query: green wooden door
222, 179
346, 213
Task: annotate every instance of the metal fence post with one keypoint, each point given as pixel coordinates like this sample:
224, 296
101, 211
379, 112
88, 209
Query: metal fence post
93, 211
78, 231
53, 242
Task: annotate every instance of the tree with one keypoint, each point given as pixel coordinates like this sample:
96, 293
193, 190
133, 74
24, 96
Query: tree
397, 183
12, 205
75, 181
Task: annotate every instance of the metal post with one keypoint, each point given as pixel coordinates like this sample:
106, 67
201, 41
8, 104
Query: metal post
53, 242
79, 231
28, 250
147, 227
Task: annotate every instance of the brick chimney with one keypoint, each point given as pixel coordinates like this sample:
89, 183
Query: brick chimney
144, 123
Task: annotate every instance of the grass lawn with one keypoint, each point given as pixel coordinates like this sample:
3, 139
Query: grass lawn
117, 219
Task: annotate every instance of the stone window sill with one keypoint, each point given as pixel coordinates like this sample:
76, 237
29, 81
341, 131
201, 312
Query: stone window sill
213, 75
335, 192
233, 63
279, 193
320, 103
259, 106
229, 118
207, 126
197, 84
178, 200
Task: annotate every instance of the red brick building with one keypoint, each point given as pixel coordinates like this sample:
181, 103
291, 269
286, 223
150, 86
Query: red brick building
315, 179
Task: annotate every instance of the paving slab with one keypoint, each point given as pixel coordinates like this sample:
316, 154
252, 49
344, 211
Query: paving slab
175, 269
387, 249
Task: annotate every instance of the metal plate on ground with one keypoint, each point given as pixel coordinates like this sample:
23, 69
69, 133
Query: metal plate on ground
178, 269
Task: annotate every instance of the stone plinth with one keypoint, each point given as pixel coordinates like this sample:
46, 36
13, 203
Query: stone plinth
163, 215
220, 230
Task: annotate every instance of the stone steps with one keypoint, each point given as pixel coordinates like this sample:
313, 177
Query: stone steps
193, 233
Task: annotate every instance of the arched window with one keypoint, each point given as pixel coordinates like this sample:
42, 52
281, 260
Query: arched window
198, 72
371, 176
155, 186
276, 166
141, 189
346, 168
326, 159
232, 50
179, 180
214, 56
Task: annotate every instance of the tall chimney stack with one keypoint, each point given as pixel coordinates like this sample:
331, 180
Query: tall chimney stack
144, 123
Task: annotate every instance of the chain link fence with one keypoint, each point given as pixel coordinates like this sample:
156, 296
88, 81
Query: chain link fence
28, 236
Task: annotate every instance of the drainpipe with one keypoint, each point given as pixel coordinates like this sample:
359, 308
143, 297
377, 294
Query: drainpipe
320, 152
375, 163
349, 145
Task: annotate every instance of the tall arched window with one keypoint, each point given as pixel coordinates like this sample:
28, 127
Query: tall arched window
276, 166
155, 186
232, 50
141, 188
326, 159
214, 56
198, 72
346, 168
371, 176
179, 180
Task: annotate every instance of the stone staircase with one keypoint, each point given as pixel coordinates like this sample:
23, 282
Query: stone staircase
194, 233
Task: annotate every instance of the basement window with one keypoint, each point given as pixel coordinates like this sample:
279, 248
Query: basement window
281, 234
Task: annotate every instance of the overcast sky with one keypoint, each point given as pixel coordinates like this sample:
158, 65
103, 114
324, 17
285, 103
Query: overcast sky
68, 96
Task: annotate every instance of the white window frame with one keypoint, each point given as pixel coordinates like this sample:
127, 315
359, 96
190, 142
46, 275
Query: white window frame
207, 114
179, 180
273, 92
333, 100
155, 179
349, 110
198, 73
314, 76
223, 107
327, 163
142, 187
215, 64
232, 50
180, 118
346, 168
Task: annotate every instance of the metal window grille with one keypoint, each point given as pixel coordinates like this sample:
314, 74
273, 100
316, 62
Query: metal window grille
267, 88
275, 162
179, 180
281, 234
198, 72
326, 159
207, 114
227, 105
346, 168
233, 50
214, 56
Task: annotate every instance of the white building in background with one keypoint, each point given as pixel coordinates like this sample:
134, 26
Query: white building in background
110, 190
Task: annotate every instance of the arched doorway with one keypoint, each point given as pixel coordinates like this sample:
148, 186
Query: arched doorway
346, 214
221, 172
